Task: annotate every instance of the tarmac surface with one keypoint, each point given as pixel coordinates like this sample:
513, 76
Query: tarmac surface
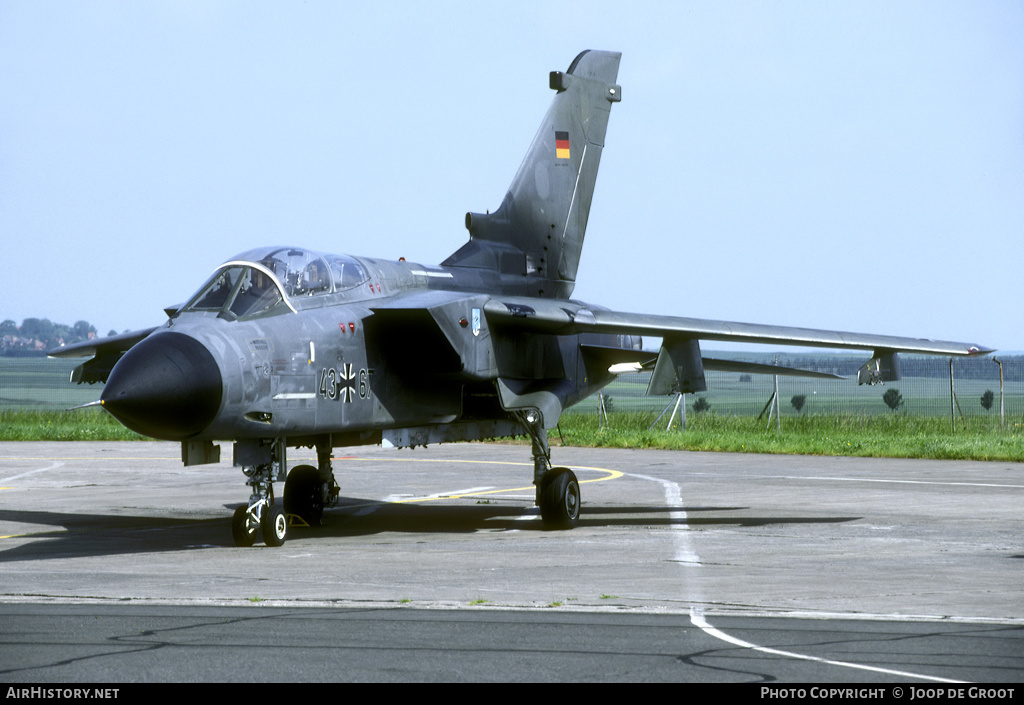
104, 529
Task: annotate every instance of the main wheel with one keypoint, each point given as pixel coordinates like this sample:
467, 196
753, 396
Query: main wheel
274, 525
560, 499
242, 530
303, 494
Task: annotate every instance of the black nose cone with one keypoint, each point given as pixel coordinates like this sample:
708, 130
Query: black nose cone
168, 386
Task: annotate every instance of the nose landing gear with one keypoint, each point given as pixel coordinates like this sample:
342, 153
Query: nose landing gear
262, 513
263, 516
307, 491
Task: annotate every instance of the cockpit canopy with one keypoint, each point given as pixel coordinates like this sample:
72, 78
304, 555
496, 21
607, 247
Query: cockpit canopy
272, 280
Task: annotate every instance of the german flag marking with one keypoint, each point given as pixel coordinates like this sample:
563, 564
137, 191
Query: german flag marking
561, 145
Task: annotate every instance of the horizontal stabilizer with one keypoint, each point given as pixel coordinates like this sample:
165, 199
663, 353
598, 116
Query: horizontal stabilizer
755, 368
101, 346
105, 353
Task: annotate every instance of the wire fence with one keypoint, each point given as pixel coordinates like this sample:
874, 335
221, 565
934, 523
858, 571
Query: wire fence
42, 384
925, 388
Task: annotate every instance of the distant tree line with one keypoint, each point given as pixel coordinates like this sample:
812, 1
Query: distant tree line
37, 335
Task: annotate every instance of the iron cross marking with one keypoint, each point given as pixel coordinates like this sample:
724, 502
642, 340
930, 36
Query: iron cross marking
348, 391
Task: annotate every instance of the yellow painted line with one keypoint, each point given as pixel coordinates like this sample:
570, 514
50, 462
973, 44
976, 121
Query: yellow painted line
34, 533
609, 475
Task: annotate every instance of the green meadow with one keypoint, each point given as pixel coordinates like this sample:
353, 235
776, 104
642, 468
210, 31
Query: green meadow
838, 417
43, 384
890, 436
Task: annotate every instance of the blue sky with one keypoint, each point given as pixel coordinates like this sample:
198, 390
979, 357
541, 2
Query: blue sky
851, 166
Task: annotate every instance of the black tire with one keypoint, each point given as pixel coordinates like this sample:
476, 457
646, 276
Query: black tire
560, 499
303, 494
243, 534
274, 525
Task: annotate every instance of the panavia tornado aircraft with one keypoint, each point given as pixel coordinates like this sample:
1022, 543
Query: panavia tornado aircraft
285, 348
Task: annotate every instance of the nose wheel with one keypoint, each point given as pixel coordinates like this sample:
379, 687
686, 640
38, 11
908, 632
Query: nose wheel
244, 527
262, 514
259, 516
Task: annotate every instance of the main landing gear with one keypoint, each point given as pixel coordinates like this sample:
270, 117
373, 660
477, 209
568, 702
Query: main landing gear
558, 490
307, 491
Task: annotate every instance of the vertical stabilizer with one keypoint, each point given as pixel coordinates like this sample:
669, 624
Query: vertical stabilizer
543, 218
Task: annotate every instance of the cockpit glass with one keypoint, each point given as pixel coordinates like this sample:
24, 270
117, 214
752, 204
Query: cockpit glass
257, 294
306, 273
347, 272
301, 272
239, 290
214, 295
256, 282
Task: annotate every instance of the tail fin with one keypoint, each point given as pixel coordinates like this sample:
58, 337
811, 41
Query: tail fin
540, 225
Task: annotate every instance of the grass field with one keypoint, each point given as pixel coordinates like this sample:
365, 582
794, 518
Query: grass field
891, 436
839, 417
888, 436
80, 425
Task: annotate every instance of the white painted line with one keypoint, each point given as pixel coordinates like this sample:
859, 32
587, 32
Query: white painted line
697, 617
30, 472
866, 479
426, 273
456, 493
686, 554
905, 482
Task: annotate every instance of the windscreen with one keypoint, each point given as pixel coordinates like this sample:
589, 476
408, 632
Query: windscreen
238, 291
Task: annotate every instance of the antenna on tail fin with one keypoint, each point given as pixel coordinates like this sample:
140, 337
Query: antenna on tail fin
538, 229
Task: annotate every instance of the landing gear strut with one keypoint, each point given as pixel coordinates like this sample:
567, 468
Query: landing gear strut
260, 514
309, 489
558, 490
262, 462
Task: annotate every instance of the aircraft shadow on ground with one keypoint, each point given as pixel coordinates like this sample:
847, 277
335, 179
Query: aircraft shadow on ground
71, 535
360, 518
66, 534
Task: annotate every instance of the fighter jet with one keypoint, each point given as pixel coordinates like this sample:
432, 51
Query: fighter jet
284, 347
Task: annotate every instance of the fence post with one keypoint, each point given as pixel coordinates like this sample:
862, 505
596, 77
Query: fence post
1000, 392
952, 412
778, 407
